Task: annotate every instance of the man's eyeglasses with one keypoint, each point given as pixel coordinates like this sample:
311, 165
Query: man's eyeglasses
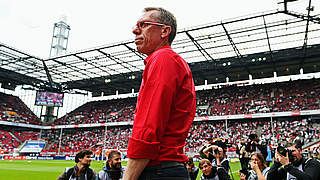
143, 24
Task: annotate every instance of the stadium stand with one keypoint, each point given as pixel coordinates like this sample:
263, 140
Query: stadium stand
263, 98
201, 132
100, 112
74, 140
14, 110
230, 100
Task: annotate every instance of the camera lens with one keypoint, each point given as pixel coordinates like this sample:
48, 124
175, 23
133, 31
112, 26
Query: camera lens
282, 150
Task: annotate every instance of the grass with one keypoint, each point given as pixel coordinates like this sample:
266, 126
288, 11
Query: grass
52, 169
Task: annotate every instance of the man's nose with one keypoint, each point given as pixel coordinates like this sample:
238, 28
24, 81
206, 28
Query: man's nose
136, 30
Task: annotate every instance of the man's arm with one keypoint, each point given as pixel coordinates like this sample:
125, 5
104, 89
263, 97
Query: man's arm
276, 173
207, 149
255, 167
134, 168
223, 174
310, 172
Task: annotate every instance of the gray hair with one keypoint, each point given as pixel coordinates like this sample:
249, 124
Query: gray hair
166, 18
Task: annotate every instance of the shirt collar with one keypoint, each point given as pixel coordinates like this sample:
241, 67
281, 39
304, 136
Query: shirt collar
147, 59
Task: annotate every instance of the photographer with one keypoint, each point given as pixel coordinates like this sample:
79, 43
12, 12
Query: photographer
289, 165
212, 172
193, 170
243, 154
254, 145
215, 154
259, 169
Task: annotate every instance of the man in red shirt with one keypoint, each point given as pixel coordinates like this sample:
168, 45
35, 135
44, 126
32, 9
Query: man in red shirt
166, 103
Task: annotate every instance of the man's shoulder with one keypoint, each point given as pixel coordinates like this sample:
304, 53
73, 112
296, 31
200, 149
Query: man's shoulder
312, 162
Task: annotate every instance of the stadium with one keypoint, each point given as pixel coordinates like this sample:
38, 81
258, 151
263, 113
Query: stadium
258, 73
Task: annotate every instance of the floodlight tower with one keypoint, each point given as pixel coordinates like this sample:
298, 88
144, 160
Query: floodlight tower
60, 37
59, 44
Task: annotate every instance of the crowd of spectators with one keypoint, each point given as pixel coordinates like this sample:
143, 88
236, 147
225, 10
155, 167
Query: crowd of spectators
201, 133
231, 100
100, 112
227, 100
75, 139
84, 138
14, 110
11, 138
260, 98
8, 143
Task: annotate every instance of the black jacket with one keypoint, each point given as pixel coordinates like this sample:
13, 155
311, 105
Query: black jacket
250, 147
216, 171
310, 167
85, 174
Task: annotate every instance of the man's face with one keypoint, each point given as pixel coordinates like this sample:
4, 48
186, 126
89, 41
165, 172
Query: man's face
206, 169
148, 37
296, 154
115, 161
292, 137
86, 160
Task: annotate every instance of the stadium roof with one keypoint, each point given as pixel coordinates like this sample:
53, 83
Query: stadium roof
214, 51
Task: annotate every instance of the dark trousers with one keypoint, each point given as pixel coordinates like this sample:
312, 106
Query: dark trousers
169, 170
244, 163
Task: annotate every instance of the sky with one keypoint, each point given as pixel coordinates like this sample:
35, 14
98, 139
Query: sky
28, 25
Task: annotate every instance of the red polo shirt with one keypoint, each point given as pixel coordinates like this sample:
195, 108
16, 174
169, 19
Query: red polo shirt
165, 109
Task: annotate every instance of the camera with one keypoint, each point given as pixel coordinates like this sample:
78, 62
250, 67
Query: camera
253, 137
244, 171
283, 151
216, 151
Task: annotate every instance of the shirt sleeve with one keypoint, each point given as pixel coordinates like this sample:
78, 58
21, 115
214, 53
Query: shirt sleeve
154, 107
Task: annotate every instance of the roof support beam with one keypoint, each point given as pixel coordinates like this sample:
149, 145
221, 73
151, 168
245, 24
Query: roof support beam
269, 45
313, 19
200, 48
305, 42
85, 60
236, 50
117, 60
134, 51
74, 68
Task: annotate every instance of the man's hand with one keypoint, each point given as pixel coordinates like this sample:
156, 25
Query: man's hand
134, 168
254, 166
188, 167
242, 176
284, 160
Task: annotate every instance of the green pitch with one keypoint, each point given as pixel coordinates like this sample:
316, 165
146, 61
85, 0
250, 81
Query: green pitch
52, 169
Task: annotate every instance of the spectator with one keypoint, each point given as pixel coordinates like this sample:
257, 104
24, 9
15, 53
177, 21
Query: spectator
243, 154
216, 155
295, 139
259, 169
293, 165
255, 145
269, 156
113, 169
210, 172
81, 170
192, 169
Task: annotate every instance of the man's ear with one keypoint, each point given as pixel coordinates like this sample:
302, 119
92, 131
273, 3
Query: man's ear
165, 31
